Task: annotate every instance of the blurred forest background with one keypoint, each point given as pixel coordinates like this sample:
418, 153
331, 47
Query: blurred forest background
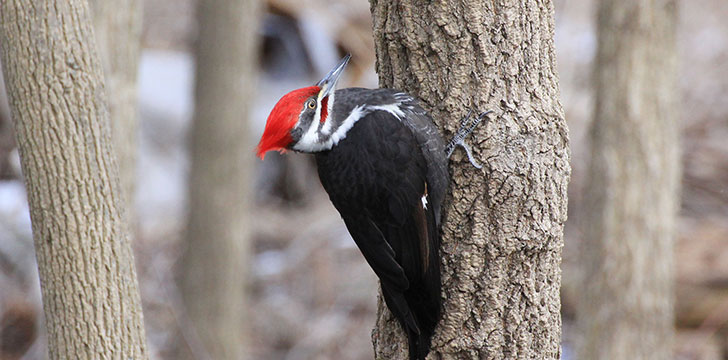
311, 295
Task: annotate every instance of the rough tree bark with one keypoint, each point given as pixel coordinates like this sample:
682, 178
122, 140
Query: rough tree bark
632, 195
117, 24
503, 225
58, 103
214, 265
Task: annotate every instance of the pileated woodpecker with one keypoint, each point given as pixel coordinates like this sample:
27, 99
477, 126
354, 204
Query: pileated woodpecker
384, 165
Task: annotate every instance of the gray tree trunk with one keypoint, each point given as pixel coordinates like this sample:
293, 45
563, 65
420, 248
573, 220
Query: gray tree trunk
56, 89
632, 196
117, 24
215, 263
503, 225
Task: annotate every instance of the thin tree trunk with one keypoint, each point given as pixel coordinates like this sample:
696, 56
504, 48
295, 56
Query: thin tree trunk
117, 24
214, 265
632, 197
58, 103
503, 225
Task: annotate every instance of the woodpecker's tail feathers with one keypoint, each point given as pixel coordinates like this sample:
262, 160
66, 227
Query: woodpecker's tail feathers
398, 305
418, 319
418, 311
419, 346
467, 125
427, 317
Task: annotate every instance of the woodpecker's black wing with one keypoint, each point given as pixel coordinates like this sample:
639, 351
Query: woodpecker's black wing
419, 122
377, 178
432, 146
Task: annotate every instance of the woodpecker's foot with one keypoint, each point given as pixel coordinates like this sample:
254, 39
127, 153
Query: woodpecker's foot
466, 127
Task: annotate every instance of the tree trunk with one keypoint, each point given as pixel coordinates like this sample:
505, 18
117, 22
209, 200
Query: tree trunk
503, 225
58, 103
632, 196
214, 265
117, 24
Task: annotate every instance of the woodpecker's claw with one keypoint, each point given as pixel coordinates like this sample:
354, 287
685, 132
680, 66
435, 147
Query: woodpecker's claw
470, 155
466, 127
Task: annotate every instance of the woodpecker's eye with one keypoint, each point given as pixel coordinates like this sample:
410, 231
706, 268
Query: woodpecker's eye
311, 104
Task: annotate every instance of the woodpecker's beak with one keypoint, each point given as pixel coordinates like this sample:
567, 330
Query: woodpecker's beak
328, 83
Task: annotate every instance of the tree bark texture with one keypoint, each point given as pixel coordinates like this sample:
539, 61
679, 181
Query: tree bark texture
503, 225
214, 265
117, 24
56, 89
632, 195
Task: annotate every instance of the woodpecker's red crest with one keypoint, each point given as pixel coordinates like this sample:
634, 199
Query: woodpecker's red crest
297, 121
282, 119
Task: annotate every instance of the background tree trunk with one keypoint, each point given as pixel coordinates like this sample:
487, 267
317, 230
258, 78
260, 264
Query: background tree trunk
503, 225
58, 103
214, 265
627, 298
117, 24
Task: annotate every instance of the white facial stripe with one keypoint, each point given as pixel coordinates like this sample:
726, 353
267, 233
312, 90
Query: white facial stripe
326, 129
307, 144
310, 136
346, 125
311, 140
316, 114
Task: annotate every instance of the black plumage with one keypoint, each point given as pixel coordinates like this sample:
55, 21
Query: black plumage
384, 166
387, 179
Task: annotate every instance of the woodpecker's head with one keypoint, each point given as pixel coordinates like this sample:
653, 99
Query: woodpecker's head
301, 119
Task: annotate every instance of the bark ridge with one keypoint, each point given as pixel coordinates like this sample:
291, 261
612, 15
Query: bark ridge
503, 225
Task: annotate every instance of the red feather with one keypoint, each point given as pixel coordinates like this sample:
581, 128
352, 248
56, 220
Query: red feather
324, 109
282, 119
